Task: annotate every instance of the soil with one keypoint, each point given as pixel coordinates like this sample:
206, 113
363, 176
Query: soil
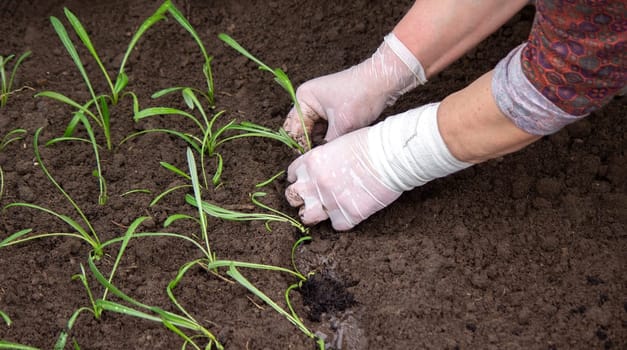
523, 252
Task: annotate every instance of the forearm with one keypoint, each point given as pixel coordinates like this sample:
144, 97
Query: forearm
438, 32
473, 127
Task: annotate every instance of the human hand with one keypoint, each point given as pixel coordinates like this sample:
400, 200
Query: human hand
354, 98
360, 173
337, 181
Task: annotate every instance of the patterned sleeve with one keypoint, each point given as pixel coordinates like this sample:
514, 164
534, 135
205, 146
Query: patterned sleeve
573, 63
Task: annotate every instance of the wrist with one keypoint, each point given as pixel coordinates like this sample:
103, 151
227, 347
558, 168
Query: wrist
407, 149
391, 71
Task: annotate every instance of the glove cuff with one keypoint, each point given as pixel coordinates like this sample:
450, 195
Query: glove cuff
403, 53
407, 149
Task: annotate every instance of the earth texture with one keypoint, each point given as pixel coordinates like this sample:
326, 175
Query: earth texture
528, 251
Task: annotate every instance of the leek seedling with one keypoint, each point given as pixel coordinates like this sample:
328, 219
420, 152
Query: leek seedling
209, 138
96, 305
15, 346
174, 322
99, 102
206, 68
11, 136
232, 215
208, 262
85, 233
279, 76
6, 318
6, 82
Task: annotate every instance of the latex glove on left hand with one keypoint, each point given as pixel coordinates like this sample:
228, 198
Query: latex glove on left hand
360, 173
355, 97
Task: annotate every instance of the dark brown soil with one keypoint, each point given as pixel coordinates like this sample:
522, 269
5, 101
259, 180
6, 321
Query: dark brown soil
524, 252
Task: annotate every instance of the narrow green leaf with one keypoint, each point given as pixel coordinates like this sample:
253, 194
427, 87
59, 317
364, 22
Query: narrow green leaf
15, 346
6, 318
17, 235
82, 34
175, 170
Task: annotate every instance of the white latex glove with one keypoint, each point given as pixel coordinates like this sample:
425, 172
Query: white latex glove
358, 174
355, 97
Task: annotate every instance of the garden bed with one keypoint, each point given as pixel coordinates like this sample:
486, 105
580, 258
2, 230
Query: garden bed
523, 252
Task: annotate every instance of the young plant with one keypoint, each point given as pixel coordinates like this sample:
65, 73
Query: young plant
209, 262
208, 138
83, 232
279, 76
6, 80
101, 101
11, 136
100, 305
116, 90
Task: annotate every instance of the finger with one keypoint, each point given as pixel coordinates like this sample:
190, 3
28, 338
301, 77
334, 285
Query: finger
312, 213
294, 126
292, 194
297, 170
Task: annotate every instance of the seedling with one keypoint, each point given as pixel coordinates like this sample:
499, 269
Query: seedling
100, 305
6, 82
11, 136
208, 138
279, 76
9, 345
101, 101
212, 264
85, 233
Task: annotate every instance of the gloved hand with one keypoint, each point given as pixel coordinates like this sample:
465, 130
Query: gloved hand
358, 174
355, 97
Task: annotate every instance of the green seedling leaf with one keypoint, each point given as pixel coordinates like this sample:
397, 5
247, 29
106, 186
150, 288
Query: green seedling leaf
157, 16
65, 139
191, 141
6, 318
11, 136
175, 170
69, 46
126, 238
279, 76
219, 168
63, 336
154, 111
15, 237
15, 346
7, 84
175, 217
165, 193
64, 99
82, 34
167, 91
270, 180
236, 275
193, 172
297, 244
189, 97
120, 83
122, 309
139, 190
178, 16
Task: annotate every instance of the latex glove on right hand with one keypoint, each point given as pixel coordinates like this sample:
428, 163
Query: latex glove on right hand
358, 174
354, 98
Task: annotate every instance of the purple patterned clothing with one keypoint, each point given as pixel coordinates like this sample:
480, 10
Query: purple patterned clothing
574, 62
